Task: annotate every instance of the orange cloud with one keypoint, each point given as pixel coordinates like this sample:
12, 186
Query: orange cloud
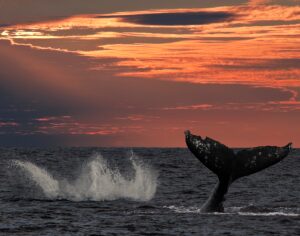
259, 2
242, 50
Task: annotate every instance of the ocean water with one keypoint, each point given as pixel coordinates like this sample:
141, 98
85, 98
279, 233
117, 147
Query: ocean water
140, 191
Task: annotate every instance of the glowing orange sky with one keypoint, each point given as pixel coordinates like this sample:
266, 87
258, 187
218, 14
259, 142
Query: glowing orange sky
140, 78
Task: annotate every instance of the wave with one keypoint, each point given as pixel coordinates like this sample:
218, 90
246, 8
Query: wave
276, 213
96, 181
238, 211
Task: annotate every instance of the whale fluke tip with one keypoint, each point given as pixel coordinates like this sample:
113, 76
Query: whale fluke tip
187, 132
290, 146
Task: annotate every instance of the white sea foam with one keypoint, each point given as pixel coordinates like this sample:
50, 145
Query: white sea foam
278, 213
181, 209
234, 210
96, 181
186, 210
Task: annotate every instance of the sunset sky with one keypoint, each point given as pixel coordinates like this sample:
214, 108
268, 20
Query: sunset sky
140, 72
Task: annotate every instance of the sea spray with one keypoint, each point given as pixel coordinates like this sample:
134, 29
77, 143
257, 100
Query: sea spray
96, 181
40, 177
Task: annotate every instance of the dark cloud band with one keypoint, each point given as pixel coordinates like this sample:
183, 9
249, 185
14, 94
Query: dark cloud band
178, 18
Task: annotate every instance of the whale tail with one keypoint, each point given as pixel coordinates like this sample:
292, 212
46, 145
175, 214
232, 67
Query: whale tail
229, 166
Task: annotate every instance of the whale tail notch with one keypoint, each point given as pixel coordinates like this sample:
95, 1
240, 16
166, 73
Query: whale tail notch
228, 165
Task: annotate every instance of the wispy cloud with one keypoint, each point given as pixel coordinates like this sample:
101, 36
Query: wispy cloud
8, 124
192, 107
272, 106
137, 117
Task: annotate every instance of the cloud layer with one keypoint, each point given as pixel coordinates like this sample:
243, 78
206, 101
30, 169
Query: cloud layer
139, 78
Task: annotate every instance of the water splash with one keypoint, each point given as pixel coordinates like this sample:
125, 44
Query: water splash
41, 177
96, 181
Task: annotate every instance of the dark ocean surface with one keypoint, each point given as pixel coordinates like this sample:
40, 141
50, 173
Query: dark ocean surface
106, 191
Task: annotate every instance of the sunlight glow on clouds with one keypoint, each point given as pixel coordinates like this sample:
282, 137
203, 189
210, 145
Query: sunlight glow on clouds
95, 61
228, 37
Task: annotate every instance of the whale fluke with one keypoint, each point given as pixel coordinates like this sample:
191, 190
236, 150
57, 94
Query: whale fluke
229, 166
